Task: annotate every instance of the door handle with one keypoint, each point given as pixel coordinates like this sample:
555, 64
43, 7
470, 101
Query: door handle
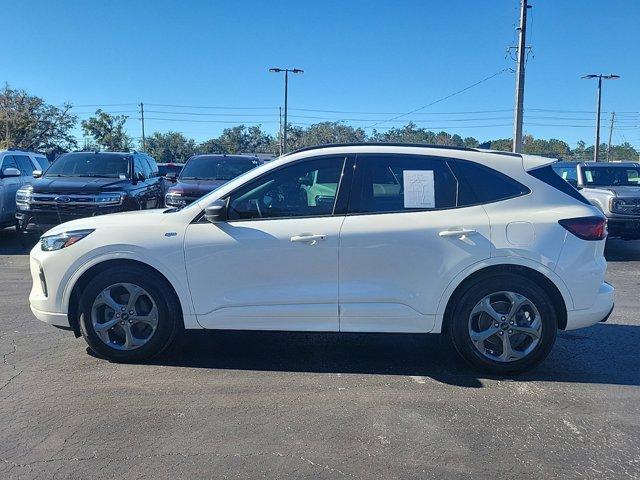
310, 239
460, 233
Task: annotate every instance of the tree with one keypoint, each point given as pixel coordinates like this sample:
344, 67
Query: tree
241, 139
27, 122
329, 132
108, 131
170, 147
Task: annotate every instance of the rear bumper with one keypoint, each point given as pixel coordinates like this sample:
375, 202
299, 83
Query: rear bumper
599, 311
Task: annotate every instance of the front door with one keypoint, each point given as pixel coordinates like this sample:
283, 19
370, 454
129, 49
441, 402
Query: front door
407, 235
8, 188
274, 264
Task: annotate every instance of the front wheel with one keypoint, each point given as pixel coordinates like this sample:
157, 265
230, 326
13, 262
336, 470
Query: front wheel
504, 324
128, 314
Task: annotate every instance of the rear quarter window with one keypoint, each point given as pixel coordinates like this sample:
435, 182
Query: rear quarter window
549, 176
480, 184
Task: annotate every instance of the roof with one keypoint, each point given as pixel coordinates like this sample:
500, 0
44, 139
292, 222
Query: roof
598, 164
393, 144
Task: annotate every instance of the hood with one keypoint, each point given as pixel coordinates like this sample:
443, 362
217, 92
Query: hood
137, 217
196, 187
619, 192
81, 185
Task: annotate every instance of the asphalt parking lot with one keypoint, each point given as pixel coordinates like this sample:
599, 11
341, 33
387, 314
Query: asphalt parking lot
257, 405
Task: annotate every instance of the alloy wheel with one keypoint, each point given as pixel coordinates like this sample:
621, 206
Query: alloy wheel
505, 326
124, 316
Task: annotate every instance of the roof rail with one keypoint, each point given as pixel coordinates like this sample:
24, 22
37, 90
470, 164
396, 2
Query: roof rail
398, 144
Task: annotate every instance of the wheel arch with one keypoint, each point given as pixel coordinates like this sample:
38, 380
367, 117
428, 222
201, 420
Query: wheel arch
559, 295
85, 277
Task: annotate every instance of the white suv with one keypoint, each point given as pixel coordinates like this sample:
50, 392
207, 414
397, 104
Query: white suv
493, 249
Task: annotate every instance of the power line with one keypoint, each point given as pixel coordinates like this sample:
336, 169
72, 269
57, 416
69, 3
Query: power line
442, 99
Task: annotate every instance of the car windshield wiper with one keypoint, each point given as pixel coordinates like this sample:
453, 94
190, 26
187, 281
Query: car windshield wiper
197, 178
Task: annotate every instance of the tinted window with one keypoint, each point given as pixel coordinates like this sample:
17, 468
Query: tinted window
611, 176
43, 162
138, 168
146, 168
216, 167
153, 165
480, 184
9, 162
303, 189
24, 165
108, 165
549, 176
394, 183
166, 169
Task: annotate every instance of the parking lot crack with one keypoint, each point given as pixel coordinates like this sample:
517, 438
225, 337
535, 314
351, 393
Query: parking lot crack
15, 369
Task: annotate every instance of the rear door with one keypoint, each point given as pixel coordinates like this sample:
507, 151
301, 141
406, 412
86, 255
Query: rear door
404, 239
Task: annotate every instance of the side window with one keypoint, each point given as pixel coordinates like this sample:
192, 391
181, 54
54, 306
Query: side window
153, 166
42, 162
480, 184
396, 183
24, 165
137, 167
9, 162
308, 188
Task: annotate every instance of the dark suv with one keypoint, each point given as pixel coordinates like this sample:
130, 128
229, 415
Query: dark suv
203, 174
84, 184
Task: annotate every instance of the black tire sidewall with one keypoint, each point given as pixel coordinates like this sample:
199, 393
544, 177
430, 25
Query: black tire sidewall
168, 312
485, 286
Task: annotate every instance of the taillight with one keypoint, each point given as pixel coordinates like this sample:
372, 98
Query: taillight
586, 228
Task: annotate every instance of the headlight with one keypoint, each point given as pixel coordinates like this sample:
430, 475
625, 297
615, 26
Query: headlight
50, 243
174, 199
23, 197
114, 198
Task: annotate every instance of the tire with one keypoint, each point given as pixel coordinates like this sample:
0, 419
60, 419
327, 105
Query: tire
514, 347
129, 339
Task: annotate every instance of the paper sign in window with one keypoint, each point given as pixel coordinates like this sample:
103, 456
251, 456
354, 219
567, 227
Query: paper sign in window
419, 190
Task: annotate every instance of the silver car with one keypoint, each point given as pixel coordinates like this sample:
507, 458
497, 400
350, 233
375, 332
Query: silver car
612, 187
16, 169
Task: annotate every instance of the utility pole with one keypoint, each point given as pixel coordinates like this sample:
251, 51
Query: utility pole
144, 140
600, 77
613, 117
280, 130
519, 110
286, 95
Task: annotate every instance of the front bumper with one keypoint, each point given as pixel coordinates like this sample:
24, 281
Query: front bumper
52, 318
599, 311
44, 220
623, 227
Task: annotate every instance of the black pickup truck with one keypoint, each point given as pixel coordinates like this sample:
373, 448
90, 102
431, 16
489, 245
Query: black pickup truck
84, 184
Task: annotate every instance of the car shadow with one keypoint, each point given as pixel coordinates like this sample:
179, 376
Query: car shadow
603, 353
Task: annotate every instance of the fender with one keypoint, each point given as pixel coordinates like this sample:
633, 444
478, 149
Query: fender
128, 252
494, 261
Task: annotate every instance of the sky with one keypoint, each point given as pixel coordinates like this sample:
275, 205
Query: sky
368, 61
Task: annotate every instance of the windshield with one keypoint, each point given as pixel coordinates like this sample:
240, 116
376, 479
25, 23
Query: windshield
107, 165
215, 167
611, 176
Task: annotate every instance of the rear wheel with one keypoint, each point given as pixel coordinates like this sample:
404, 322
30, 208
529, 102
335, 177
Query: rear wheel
504, 324
128, 314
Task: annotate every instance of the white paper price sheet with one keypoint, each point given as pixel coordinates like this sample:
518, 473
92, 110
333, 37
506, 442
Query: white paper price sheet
419, 189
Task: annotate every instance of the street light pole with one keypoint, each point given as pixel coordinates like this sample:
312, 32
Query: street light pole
286, 100
600, 77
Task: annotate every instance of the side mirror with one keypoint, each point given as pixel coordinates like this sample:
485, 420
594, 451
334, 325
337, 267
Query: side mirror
171, 177
37, 173
10, 172
217, 211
